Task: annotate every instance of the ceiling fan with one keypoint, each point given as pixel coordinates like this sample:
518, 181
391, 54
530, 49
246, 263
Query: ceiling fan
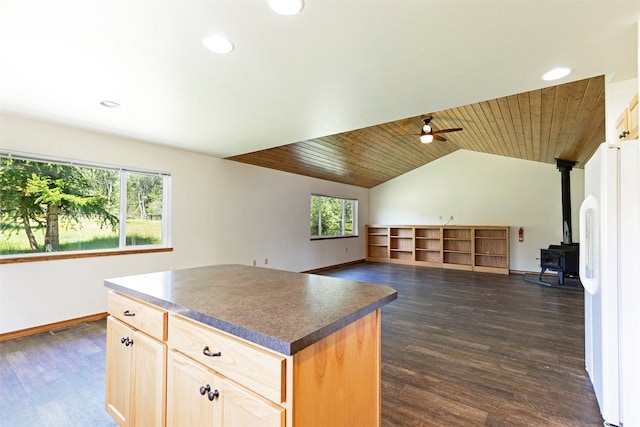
427, 134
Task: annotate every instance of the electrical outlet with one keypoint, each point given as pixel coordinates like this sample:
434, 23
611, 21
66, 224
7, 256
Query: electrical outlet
346, 249
254, 262
266, 261
451, 218
440, 216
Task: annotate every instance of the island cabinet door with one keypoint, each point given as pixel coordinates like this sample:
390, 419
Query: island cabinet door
119, 368
241, 407
192, 392
198, 396
149, 381
136, 365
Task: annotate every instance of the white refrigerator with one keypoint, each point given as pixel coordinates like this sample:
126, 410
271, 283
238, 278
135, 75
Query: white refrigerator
610, 273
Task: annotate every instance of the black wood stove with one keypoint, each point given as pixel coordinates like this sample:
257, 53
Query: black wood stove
562, 258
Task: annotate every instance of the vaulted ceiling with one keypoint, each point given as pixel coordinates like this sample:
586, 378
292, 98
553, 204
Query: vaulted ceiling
566, 121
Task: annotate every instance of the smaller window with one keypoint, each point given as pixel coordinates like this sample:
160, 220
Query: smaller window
333, 216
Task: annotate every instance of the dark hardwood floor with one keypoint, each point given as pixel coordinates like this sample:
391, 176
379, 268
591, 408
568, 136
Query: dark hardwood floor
476, 349
458, 349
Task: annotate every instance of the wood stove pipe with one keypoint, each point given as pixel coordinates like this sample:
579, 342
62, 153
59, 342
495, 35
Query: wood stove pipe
565, 166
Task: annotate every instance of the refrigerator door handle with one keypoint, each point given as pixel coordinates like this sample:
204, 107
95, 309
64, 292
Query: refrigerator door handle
589, 241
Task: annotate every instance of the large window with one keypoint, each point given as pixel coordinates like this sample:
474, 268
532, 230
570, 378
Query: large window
59, 205
333, 216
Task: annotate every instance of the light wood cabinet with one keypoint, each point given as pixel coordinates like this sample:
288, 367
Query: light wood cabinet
199, 396
250, 401
136, 364
401, 243
191, 393
457, 248
259, 370
206, 377
627, 123
491, 249
428, 246
378, 243
241, 407
632, 120
119, 368
472, 248
335, 381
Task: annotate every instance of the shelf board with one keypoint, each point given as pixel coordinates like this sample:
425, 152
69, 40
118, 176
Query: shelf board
481, 248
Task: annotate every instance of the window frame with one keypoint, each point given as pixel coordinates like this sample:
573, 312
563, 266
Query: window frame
343, 222
122, 248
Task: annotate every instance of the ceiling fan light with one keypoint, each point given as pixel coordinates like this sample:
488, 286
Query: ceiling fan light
425, 139
286, 7
426, 128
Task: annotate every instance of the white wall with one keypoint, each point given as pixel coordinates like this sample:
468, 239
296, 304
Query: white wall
222, 212
484, 189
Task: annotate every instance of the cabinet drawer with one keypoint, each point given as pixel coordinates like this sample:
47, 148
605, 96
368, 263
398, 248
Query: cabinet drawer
257, 369
148, 318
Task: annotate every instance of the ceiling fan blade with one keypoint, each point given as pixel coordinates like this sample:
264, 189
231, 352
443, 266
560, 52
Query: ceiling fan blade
439, 138
447, 130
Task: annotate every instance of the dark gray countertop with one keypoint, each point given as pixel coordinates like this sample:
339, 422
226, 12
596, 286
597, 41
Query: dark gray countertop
280, 310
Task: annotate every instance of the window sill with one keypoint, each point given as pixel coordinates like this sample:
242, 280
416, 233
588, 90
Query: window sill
73, 255
333, 237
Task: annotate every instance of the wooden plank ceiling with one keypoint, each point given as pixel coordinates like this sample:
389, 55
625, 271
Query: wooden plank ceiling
565, 121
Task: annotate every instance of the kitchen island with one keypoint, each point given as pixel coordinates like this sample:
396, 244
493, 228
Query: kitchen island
237, 345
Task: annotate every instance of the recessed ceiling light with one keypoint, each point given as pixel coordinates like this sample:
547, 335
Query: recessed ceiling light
217, 44
109, 104
286, 7
556, 73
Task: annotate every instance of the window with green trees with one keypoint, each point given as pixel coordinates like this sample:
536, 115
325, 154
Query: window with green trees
333, 216
59, 205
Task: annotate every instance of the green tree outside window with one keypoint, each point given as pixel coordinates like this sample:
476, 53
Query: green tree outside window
332, 216
54, 207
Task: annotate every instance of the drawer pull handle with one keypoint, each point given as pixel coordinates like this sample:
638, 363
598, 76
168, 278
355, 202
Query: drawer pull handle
213, 395
129, 314
208, 353
126, 341
204, 390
